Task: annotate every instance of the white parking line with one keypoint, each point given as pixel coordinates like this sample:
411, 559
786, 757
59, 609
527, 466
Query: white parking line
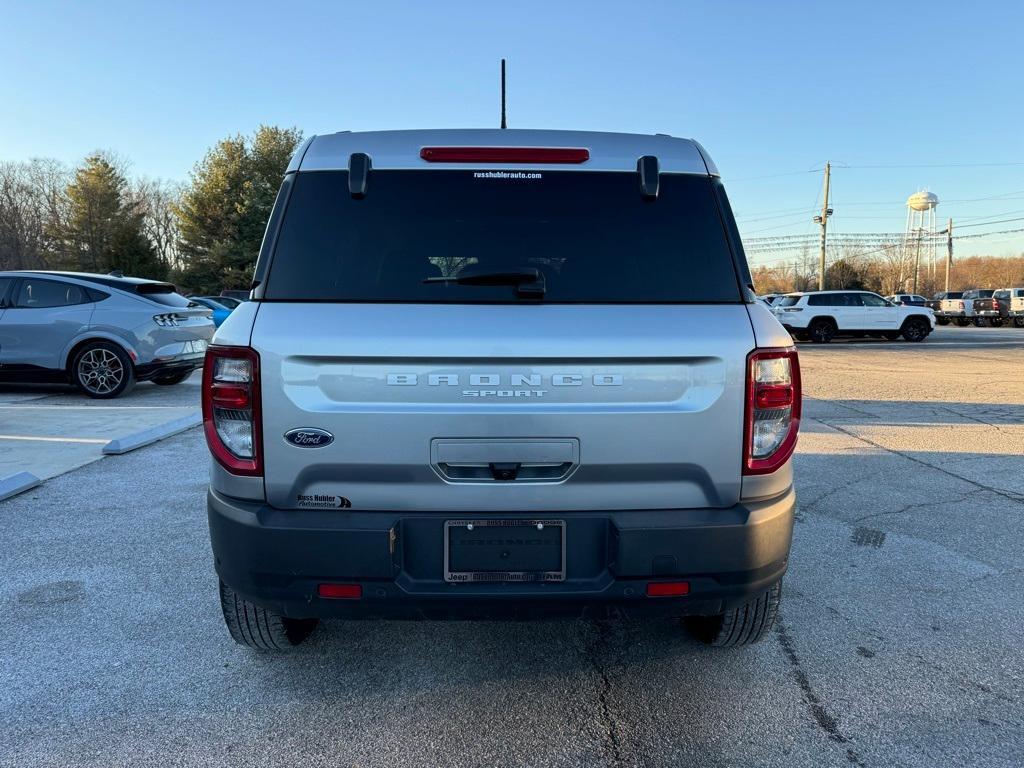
33, 438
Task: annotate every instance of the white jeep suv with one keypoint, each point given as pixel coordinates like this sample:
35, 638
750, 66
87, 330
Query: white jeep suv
820, 316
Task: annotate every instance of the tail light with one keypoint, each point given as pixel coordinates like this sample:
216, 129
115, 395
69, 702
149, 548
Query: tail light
167, 320
773, 409
231, 408
961, 306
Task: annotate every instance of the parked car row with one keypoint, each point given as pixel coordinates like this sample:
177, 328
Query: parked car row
907, 299
820, 316
102, 333
980, 307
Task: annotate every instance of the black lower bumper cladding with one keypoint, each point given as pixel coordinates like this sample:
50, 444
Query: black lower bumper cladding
279, 558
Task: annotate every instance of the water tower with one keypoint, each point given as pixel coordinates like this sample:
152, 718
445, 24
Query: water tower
920, 235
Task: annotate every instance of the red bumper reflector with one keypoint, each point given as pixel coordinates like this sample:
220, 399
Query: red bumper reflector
668, 588
773, 395
504, 155
340, 591
231, 396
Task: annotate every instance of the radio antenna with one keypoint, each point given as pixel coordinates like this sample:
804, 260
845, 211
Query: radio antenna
503, 123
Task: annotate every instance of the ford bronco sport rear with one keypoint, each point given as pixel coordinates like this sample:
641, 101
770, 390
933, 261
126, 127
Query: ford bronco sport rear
493, 373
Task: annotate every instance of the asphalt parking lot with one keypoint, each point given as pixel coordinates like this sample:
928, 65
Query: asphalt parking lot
899, 642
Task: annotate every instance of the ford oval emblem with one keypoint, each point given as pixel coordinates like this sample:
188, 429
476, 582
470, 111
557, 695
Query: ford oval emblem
309, 437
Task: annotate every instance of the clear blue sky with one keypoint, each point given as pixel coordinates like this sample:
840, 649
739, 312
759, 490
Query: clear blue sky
770, 88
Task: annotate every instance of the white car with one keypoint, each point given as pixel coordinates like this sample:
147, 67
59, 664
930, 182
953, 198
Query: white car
820, 316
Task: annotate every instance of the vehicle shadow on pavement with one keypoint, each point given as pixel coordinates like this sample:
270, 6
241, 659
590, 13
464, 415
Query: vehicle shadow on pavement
1004, 342
907, 412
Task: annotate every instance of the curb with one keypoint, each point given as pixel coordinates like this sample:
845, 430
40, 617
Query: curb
17, 483
145, 437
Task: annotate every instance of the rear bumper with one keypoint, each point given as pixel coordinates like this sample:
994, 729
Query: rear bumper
276, 558
149, 371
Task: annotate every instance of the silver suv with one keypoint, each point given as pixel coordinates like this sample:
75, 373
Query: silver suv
496, 372
100, 332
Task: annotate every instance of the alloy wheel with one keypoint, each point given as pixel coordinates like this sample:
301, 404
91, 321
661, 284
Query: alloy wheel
821, 333
914, 332
100, 371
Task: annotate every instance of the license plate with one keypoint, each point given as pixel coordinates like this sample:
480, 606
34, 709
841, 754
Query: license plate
504, 550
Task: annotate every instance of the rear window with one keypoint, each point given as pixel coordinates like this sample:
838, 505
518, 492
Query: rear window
591, 235
832, 300
162, 293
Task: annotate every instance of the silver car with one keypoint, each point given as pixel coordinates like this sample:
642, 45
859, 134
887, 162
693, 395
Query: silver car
494, 372
100, 332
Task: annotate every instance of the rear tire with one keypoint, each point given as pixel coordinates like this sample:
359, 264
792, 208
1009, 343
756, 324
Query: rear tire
822, 331
963, 322
996, 322
942, 320
102, 370
980, 322
259, 628
915, 329
740, 626
172, 378
1019, 322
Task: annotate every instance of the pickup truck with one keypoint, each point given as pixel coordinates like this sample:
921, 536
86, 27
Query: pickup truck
947, 306
981, 308
1006, 303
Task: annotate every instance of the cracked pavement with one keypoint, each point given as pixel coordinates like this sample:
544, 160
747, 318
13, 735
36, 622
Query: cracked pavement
899, 640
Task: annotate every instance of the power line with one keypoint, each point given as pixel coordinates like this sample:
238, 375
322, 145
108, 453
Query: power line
935, 165
986, 223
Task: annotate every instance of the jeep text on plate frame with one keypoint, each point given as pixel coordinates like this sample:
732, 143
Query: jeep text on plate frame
461, 577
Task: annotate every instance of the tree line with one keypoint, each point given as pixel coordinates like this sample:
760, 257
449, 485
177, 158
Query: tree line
888, 269
203, 235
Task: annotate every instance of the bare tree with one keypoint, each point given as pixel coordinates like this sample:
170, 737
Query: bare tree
894, 266
805, 271
158, 199
31, 201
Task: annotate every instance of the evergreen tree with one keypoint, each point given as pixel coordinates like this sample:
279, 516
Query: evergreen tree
103, 227
224, 210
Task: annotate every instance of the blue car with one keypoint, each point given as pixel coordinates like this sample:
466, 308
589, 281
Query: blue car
220, 312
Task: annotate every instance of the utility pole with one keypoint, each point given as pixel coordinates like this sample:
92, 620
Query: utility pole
949, 250
823, 221
917, 261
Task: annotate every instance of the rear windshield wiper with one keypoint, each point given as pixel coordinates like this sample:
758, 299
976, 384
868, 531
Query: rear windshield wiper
529, 281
